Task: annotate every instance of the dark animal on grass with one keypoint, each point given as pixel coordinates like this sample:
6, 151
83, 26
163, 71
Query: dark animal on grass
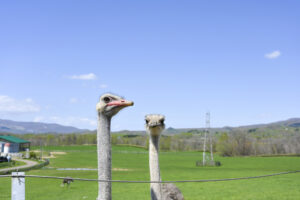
67, 181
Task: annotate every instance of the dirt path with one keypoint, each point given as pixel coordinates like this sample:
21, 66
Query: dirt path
29, 163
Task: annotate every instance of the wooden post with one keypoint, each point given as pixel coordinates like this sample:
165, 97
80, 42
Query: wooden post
18, 186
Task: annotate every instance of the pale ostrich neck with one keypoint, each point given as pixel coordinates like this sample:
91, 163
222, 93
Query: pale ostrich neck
104, 156
156, 193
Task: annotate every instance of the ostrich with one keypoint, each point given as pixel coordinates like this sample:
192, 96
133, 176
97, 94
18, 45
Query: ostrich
108, 106
154, 126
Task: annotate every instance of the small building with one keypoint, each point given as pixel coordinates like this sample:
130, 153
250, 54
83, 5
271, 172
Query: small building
11, 144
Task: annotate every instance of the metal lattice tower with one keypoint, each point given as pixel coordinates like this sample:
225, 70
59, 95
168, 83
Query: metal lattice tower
207, 133
207, 121
210, 136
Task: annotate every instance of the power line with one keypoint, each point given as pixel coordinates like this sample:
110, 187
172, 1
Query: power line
126, 181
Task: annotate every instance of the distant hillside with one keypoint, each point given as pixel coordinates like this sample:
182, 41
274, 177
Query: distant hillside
9, 126
293, 122
290, 123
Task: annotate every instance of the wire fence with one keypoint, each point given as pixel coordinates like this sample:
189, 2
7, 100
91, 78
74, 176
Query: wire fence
127, 181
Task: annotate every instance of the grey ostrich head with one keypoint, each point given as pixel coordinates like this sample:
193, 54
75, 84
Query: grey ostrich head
110, 104
155, 124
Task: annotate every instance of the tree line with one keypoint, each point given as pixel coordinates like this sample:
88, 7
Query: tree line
231, 143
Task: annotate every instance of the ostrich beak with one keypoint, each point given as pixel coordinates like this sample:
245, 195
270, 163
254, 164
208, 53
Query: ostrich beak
122, 102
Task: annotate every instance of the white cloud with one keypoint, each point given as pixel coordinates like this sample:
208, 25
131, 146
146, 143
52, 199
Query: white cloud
273, 55
47, 107
103, 86
38, 119
73, 100
11, 105
80, 122
55, 118
29, 100
90, 76
91, 122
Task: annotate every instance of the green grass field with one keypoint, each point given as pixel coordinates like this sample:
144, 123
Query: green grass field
11, 164
174, 166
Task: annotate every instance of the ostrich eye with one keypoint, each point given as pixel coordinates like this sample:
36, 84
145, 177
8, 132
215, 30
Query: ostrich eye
162, 121
106, 99
147, 121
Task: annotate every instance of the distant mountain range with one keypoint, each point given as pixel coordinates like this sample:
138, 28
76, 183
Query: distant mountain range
293, 123
9, 126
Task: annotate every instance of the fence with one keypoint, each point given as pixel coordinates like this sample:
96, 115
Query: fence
18, 181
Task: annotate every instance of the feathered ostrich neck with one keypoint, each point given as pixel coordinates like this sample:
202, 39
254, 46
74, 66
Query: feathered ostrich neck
108, 106
156, 192
104, 156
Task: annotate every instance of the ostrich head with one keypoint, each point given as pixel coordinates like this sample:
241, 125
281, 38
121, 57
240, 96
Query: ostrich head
110, 104
155, 124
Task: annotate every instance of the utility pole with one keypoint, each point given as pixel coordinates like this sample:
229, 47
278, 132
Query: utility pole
41, 149
205, 138
204, 148
210, 137
207, 133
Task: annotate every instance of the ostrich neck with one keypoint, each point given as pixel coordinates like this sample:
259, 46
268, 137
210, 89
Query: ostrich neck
156, 193
104, 157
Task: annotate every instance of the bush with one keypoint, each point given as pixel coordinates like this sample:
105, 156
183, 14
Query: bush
32, 155
199, 163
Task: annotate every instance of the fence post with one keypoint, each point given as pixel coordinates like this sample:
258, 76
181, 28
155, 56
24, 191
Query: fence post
18, 186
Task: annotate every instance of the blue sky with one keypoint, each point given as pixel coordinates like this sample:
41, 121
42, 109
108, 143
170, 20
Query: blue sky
237, 59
